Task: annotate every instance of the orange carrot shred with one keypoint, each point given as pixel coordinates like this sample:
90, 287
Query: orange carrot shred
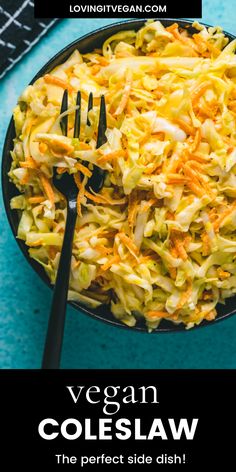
126, 93
185, 126
197, 140
185, 295
61, 170
83, 169
29, 163
108, 264
47, 188
110, 156
128, 242
156, 314
36, 199
199, 91
178, 244
52, 79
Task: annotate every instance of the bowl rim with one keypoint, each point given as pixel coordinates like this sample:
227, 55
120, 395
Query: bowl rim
165, 326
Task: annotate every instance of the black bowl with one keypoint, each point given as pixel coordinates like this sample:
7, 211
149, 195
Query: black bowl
86, 44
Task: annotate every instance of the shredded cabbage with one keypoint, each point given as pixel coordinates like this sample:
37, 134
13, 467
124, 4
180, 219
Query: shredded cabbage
159, 240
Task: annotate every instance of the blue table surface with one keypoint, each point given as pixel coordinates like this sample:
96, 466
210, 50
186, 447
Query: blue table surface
25, 300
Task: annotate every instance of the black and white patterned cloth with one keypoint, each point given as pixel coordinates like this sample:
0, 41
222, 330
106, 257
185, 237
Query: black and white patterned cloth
19, 31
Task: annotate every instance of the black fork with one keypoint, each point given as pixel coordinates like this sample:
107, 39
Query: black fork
66, 185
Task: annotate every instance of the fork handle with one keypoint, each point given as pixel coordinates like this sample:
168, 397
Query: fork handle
54, 338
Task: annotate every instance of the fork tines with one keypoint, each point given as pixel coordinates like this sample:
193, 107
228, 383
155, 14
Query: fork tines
102, 125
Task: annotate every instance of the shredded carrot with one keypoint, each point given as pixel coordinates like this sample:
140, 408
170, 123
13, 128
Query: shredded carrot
158, 93
210, 315
199, 157
126, 93
62, 170
206, 111
145, 138
199, 191
29, 163
213, 215
203, 44
202, 47
133, 207
52, 79
223, 274
185, 295
186, 241
181, 250
172, 27
156, 314
77, 180
197, 182
173, 251
110, 156
128, 242
170, 215
232, 104
187, 41
216, 51
102, 199
84, 146
78, 204
102, 60
25, 179
83, 169
229, 140
206, 186
191, 174
59, 148
172, 272
108, 264
43, 147
197, 140
152, 169
196, 165
36, 199
176, 161
108, 233
104, 250
206, 244
230, 149
94, 198
199, 91
144, 259
178, 244
176, 179
185, 126
95, 69
148, 205
178, 35
223, 215
81, 187
47, 187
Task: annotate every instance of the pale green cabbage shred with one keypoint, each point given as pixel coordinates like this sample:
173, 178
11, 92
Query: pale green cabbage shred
160, 242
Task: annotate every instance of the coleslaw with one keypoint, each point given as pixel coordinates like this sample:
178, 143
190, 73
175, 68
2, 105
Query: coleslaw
159, 240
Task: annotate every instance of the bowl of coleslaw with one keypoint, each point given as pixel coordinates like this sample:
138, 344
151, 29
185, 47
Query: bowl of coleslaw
155, 249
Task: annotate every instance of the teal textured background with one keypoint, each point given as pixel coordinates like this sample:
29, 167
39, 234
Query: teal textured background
25, 300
